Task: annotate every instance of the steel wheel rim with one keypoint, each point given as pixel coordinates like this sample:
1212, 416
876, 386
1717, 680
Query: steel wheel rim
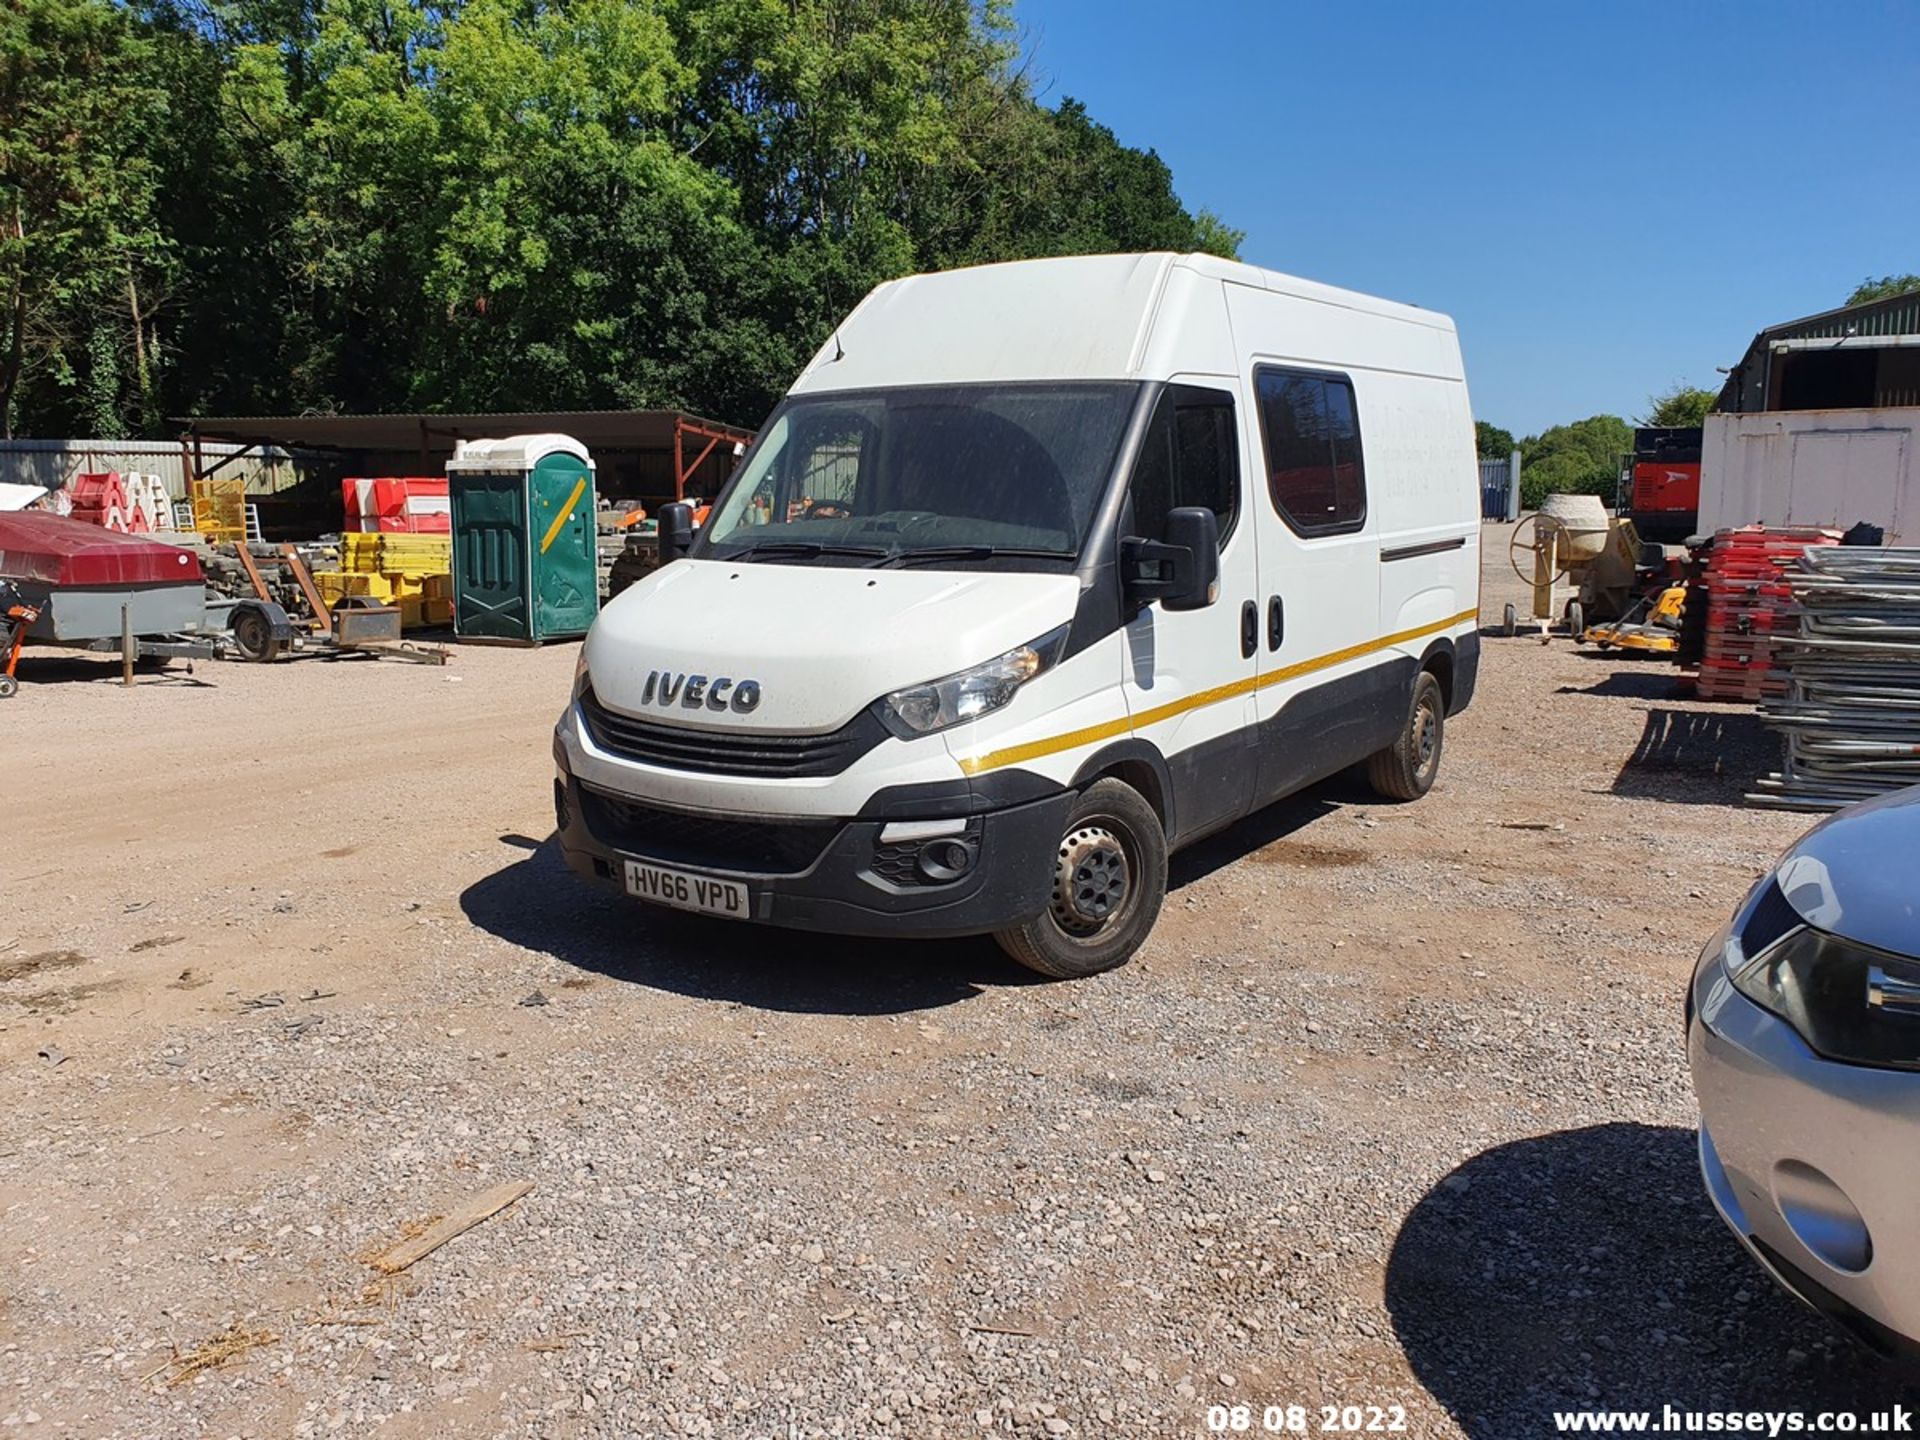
1093, 879
1426, 736
251, 632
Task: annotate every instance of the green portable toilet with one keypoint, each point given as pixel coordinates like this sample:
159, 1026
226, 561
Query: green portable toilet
525, 561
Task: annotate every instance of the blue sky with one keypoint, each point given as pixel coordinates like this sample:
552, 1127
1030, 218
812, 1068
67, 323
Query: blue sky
1606, 197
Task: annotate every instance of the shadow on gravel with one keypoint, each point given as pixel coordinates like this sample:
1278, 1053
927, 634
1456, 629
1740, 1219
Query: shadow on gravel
1662, 684
1586, 1269
1256, 832
1698, 757
539, 904
45, 667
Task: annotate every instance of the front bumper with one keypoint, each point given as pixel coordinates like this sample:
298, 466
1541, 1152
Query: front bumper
1809, 1162
853, 885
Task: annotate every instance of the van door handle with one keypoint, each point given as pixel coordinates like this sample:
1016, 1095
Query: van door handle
1276, 622
1249, 630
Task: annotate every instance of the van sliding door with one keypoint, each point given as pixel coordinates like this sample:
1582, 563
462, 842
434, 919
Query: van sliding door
1325, 697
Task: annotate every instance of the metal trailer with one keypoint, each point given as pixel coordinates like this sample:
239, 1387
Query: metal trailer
107, 592
260, 632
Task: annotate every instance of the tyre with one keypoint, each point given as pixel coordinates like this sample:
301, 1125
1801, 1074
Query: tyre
1510, 622
253, 634
1576, 619
8, 687
1405, 770
1110, 877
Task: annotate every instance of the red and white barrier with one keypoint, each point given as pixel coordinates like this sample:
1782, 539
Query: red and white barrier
133, 503
407, 505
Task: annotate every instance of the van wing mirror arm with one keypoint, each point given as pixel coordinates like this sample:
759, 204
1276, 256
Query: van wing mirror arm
676, 530
1183, 570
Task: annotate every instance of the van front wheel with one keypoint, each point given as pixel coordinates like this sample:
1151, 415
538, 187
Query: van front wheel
1109, 878
1405, 770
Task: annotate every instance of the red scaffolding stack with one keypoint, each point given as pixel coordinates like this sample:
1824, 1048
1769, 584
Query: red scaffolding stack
1750, 608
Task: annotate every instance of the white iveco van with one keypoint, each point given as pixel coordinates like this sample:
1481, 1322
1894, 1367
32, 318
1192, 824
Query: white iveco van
1039, 572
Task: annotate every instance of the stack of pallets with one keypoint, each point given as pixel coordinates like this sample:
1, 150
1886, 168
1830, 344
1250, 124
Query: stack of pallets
1850, 710
1750, 608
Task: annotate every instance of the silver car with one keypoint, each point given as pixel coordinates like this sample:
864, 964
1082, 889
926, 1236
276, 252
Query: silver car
1803, 1031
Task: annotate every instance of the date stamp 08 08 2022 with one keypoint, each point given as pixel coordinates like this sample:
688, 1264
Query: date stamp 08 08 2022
1307, 1419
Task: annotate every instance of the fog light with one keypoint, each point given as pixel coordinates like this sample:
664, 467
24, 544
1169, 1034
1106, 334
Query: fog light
945, 860
560, 814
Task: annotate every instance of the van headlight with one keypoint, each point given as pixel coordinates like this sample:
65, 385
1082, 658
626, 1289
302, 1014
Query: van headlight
967, 694
1849, 1002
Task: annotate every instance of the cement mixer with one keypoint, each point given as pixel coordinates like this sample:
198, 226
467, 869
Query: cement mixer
1572, 548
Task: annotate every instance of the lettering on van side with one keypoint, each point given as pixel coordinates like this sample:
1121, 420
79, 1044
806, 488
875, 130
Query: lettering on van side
692, 692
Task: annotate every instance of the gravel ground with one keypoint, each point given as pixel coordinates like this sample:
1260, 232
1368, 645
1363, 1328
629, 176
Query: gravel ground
1393, 1110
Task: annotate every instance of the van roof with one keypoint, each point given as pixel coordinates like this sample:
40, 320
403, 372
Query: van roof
1078, 317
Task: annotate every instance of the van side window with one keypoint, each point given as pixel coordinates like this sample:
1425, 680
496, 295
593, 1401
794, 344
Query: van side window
1190, 455
1315, 471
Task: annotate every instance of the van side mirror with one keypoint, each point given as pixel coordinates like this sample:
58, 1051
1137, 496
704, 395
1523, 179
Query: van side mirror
1181, 571
676, 530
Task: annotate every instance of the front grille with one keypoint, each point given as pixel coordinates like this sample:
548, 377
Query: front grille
710, 842
715, 752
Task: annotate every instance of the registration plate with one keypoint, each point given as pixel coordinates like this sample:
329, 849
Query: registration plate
688, 892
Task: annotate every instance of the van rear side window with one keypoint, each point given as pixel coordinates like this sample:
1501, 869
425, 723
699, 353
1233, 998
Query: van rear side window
1315, 470
1190, 455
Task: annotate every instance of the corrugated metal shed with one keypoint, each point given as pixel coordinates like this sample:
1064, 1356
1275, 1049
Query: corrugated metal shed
650, 454
1886, 373
51, 463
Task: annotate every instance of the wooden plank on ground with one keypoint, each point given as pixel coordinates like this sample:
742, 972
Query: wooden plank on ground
463, 1218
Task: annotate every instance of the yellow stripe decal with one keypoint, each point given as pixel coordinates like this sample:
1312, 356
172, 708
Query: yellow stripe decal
1126, 724
553, 530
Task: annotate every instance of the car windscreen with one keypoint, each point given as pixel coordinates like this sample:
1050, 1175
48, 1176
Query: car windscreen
976, 476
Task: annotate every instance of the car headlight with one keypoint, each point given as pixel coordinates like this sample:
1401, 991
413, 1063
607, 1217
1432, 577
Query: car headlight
967, 694
580, 671
1849, 1002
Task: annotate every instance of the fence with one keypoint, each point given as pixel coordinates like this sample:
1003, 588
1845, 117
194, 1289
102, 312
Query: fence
1500, 488
52, 463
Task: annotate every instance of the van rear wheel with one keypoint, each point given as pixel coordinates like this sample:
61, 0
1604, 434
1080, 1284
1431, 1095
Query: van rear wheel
1109, 879
1405, 770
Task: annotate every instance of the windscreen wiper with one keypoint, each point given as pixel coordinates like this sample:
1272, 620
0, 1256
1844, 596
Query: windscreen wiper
805, 550
900, 559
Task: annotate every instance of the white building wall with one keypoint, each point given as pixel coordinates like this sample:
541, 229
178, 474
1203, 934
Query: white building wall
1813, 467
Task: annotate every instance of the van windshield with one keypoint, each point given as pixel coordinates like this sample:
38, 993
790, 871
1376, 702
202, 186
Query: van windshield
975, 476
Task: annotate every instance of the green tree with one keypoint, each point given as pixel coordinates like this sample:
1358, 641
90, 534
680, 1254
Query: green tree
584, 258
1680, 404
1491, 442
1886, 285
1060, 183
393, 204
76, 229
1578, 459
